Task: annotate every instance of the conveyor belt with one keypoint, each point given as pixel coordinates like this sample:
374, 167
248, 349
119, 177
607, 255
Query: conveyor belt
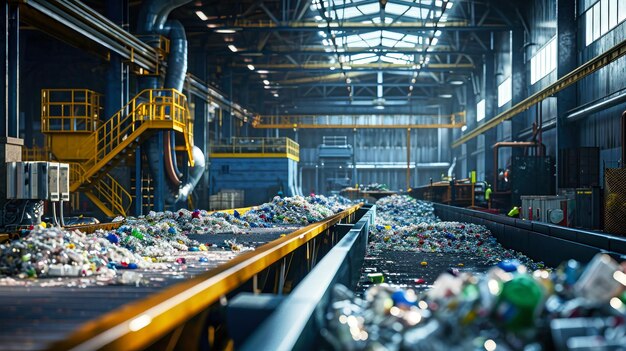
68, 316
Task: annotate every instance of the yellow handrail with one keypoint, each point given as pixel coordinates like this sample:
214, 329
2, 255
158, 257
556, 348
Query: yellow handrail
267, 146
107, 189
149, 105
69, 110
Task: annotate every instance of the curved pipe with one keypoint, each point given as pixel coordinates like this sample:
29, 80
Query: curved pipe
170, 160
154, 13
174, 78
451, 169
153, 20
195, 173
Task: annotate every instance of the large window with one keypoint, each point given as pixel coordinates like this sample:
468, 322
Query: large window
505, 90
602, 17
480, 110
543, 62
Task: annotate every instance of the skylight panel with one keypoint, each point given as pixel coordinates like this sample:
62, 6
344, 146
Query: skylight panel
361, 56
396, 9
391, 43
388, 59
365, 60
413, 39
347, 13
369, 9
370, 35
392, 35
415, 12
351, 39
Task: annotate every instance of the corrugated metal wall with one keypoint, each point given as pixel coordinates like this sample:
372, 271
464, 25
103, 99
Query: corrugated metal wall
380, 148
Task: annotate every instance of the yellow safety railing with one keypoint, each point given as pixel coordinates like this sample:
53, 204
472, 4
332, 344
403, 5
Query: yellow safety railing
263, 147
152, 105
110, 195
69, 110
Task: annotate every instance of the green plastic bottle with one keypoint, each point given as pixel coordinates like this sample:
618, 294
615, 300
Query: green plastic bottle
518, 302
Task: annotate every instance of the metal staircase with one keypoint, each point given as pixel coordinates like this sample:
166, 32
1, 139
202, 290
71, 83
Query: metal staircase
116, 139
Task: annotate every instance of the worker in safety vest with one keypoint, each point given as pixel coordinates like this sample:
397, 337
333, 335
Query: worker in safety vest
488, 196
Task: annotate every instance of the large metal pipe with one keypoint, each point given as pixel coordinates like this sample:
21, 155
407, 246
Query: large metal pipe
599, 106
153, 20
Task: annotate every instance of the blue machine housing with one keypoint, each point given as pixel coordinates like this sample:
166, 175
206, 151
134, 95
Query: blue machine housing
260, 178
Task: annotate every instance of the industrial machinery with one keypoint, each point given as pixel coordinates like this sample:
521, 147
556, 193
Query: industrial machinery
29, 184
261, 167
531, 173
332, 171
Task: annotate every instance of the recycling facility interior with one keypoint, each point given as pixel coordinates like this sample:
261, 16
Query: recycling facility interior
122, 117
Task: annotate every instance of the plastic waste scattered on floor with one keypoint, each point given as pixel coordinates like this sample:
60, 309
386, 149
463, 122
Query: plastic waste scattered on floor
507, 308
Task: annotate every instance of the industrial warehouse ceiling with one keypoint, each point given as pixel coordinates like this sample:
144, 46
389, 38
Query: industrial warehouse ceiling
344, 56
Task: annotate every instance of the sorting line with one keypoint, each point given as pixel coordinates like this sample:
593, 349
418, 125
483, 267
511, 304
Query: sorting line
138, 324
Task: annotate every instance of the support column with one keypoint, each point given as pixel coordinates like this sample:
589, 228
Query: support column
10, 144
116, 93
491, 108
470, 118
518, 75
160, 187
355, 134
567, 50
138, 183
10, 127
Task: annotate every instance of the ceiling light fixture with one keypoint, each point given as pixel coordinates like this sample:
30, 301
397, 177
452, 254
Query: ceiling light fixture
445, 96
227, 30
251, 67
232, 48
266, 82
201, 15
464, 128
275, 95
456, 82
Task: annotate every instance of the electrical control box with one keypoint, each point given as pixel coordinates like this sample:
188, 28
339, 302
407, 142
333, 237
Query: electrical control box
64, 181
37, 180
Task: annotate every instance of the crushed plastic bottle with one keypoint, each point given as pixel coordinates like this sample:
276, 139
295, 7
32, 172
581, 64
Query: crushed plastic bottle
498, 310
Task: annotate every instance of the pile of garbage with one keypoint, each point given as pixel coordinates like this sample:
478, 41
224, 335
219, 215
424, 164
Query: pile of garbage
293, 210
406, 224
507, 308
155, 237
54, 252
445, 237
401, 210
375, 187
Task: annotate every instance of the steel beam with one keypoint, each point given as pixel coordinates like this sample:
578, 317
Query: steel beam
378, 66
304, 26
360, 121
96, 28
324, 51
574, 76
